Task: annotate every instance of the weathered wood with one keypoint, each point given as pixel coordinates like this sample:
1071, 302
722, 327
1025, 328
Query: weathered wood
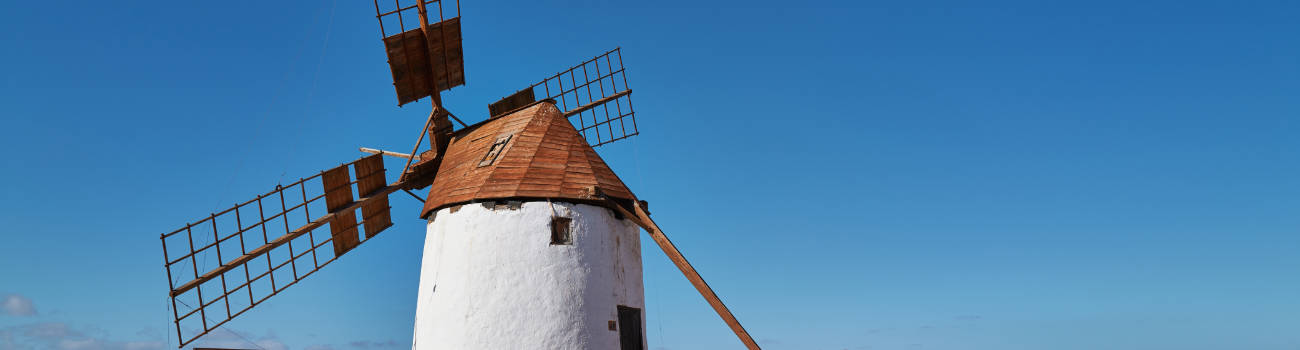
422, 65
428, 41
427, 122
596, 103
641, 218
338, 194
544, 157
387, 153
509, 103
370, 178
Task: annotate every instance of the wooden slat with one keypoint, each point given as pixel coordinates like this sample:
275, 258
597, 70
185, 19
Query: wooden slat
370, 178
413, 60
512, 102
338, 195
546, 158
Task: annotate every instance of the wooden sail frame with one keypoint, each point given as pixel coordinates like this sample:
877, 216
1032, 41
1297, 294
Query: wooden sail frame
594, 95
238, 271
424, 57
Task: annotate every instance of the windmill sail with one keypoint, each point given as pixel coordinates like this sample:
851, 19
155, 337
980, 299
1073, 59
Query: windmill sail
594, 95
424, 56
217, 269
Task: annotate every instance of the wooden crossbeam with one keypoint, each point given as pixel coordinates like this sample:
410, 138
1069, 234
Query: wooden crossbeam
641, 218
594, 104
388, 153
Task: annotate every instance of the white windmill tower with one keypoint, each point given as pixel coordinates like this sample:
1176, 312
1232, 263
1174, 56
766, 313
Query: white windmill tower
532, 241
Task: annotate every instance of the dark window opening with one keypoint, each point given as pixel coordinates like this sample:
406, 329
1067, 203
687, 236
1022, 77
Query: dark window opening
560, 230
495, 151
629, 328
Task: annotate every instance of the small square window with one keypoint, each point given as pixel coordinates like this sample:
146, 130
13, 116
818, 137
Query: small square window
495, 151
560, 230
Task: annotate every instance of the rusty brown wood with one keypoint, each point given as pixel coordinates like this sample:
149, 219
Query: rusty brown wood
594, 97
393, 11
306, 210
439, 135
412, 60
370, 177
641, 218
434, 92
262, 215
418, 140
546, 158
285, 212
338, 194
246, 284
453, 117
511, 103
597, 103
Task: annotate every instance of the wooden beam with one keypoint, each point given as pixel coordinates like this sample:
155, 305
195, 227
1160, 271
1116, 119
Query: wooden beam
599, 102
283, 239
418, 140
387, 153
436, 94
641, 218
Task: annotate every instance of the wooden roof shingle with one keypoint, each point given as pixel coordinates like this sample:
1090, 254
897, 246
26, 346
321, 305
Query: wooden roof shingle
544, 158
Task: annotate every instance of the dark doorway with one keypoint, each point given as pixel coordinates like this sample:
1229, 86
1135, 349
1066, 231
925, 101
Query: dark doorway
629, 328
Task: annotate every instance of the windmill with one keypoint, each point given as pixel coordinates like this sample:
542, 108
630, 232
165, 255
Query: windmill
532, 241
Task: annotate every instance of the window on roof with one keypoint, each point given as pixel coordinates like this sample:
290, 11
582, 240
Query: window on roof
495, 151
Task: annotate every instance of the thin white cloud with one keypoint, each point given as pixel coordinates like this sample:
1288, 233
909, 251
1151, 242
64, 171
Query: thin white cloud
17, 305
370, 344
226, 338
61, 336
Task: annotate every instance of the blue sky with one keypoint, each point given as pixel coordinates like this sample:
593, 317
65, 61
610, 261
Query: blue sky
846, 175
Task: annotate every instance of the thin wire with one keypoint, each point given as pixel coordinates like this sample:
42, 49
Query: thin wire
261, 122
167, 330
636, 159
320, 61
225, 329
324, 47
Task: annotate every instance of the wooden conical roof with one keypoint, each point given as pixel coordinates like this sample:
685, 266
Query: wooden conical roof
543, 157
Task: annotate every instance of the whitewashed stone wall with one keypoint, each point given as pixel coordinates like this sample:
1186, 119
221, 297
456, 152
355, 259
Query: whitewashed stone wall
491, 279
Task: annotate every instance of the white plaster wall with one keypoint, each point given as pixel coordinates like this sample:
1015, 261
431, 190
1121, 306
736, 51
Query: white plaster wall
490, 279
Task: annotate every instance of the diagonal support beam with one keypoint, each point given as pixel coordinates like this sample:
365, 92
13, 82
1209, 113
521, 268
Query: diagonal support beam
641, 218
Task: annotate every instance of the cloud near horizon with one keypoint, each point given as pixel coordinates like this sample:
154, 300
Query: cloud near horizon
61, 336
17, 305
55, 335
